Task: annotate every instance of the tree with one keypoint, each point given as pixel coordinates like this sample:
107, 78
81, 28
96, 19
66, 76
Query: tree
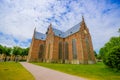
119, 31
24, 52
114, 41
17, 50
108, 50
102, 52
113, 58
95, 54
8, 51
1, 49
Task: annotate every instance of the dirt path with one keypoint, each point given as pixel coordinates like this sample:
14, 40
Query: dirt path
42, 73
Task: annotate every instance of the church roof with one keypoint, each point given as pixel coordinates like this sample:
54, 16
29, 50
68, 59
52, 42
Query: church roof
40, 36
72, 30
59, 33
69, 32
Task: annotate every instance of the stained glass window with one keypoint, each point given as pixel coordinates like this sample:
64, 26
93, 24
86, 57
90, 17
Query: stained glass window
60, 50
41, 51
48, 51
66, 50
74, 50
88, 48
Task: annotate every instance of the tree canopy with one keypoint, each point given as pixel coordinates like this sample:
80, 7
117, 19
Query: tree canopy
16, 50
110, 53
114, 41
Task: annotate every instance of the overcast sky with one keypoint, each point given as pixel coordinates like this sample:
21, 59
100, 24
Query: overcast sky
18, 18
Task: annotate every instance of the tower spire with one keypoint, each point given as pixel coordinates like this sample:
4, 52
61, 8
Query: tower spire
34, 29
50, 24
34, 32
82, 18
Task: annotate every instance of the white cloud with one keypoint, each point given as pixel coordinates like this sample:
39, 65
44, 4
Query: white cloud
19, 18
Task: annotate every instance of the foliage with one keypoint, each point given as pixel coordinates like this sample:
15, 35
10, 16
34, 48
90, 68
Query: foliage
14, 71
109, 52
96, 71
8, 50
114, 41
20, 51
24, 52
119, 30
95, 54
16, 50
99, 57
5, 50
113, 58
1, 49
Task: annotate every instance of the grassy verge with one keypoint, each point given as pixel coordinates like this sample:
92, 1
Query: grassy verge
93, 72
14, 71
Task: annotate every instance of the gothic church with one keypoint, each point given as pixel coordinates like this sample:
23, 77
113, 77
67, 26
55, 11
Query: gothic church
73, 46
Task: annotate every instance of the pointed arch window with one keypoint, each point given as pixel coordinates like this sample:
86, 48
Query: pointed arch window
48, 56
66, 50
60, 50
74, 50
41, 51
88, 48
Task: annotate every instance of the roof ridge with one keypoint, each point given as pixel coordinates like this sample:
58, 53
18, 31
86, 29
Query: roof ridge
57, 32
73, 26
39, 32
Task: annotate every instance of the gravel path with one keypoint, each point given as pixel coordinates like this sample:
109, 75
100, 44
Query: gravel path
42, 73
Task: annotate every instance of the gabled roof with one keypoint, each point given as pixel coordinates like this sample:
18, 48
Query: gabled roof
59, 33
69, 32
39, 35
72, 30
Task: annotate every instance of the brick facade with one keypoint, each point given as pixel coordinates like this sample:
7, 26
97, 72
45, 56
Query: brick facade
75, 47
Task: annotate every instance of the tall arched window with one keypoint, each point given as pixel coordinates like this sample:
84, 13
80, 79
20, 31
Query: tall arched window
66, 50
60, 50
48, 56
88, 48
74, 50
41, 51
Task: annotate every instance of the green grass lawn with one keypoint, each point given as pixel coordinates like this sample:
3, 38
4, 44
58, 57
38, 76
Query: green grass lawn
93, 72
14, 71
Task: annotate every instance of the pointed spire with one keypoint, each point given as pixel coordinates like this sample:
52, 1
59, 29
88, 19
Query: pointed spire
34, 29
50, 24
34, 32
82, 18
83, 23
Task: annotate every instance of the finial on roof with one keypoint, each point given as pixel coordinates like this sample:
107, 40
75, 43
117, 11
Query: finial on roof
82, 18
35, 29
50, 24
34, 32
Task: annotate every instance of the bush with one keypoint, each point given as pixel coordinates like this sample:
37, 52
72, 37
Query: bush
113, 58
